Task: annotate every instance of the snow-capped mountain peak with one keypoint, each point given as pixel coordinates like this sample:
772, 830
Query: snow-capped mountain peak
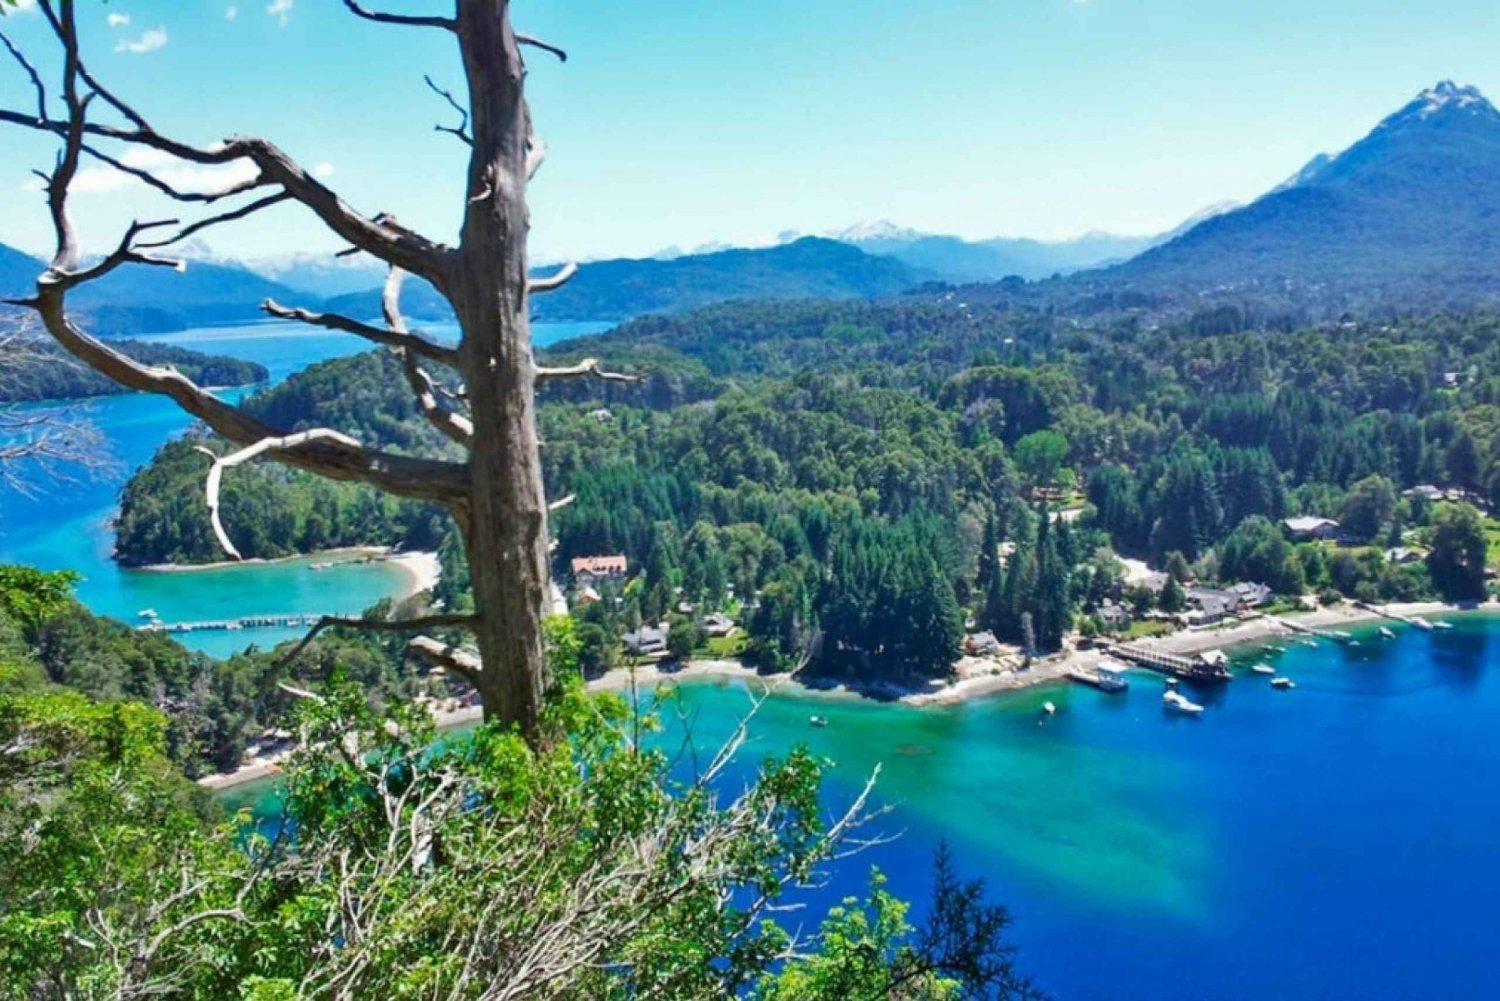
878, 229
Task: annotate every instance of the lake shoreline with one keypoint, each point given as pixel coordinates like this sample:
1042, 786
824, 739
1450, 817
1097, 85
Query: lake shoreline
419, 567
1050, 670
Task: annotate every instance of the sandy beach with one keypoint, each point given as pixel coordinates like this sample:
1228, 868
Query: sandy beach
422, 571
976, 677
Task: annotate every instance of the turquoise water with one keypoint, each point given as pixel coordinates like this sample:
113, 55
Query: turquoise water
1335, 841
67, 525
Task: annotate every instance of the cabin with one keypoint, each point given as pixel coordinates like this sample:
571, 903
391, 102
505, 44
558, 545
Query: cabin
647, 640
1115, 618
1251, 595
1402, 556
981, 644
717, 624
1308, 528
1209, 607
590, 571
1426, 491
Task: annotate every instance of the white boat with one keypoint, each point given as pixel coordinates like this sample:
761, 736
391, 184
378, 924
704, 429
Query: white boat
1387, 633
1263, 669
1174, 702
1442, 625
1283, 683
1112, 677
1422, 623
147, 613
818, 721
1049, 709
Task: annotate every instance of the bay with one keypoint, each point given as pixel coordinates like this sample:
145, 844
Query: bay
1334, 841
66, 525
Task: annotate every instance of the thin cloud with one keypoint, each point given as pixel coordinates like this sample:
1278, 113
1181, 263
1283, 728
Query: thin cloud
323, 170
231, 12
281, 10
150, 41
104, 179
118, 20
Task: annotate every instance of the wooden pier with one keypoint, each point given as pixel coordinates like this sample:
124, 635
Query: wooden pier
1190, 669
1297, 627
294, 620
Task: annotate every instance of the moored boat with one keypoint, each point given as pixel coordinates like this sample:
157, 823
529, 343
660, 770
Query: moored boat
818, 721
1175, 702
1263, 669
1112, 677
1422, 623
1387, 633
1283, 683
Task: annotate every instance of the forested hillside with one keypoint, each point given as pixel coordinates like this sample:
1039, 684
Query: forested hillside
845, 462
49, 373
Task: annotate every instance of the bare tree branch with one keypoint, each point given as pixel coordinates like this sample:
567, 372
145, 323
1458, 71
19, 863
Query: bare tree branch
151, 180
589, 366
379, 625
240, 213
462, 129
439, 654
36, 79
403, 19
554, 282
221, 463
390, 338
455, 428
537, 43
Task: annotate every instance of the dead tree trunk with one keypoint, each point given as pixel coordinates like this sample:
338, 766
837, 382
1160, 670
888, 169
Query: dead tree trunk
496, 496
505, 530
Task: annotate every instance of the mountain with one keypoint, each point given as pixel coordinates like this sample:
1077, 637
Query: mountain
807, 268
1408, 216
320, 275
136, 300
959, 260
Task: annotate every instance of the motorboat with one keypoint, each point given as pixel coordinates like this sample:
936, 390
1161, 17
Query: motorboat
1048, 709
148, 613
1387, 633
1175, 702
818, 721
1283, 683
1112, 677
1422, 623
1263, 669
1442, 625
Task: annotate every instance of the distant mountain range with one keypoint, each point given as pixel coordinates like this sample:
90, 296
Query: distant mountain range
135, 300
1407, 217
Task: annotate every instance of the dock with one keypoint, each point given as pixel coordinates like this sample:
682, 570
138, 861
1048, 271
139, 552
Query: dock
1337, 636
277, 620
1189, 669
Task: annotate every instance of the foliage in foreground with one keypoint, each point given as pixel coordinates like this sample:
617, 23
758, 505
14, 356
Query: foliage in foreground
472, 868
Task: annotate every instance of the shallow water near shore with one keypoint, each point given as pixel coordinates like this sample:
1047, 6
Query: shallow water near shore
1336, 840
66, 525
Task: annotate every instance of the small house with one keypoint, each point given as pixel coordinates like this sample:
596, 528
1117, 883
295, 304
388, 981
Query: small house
1251, 595
1402, 556
718, 624
1115, 618
1309, 527
646, 640
1426, 491
593, 570
981, 644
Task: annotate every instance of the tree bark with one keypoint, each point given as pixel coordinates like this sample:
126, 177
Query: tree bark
505, 524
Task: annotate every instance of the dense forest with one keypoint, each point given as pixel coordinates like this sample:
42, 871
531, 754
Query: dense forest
50, 374
840, 473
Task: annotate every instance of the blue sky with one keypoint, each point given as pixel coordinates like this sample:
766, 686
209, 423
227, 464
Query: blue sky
689, 121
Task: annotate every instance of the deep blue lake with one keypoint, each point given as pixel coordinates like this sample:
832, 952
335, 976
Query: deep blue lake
1334, 841
67, 525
